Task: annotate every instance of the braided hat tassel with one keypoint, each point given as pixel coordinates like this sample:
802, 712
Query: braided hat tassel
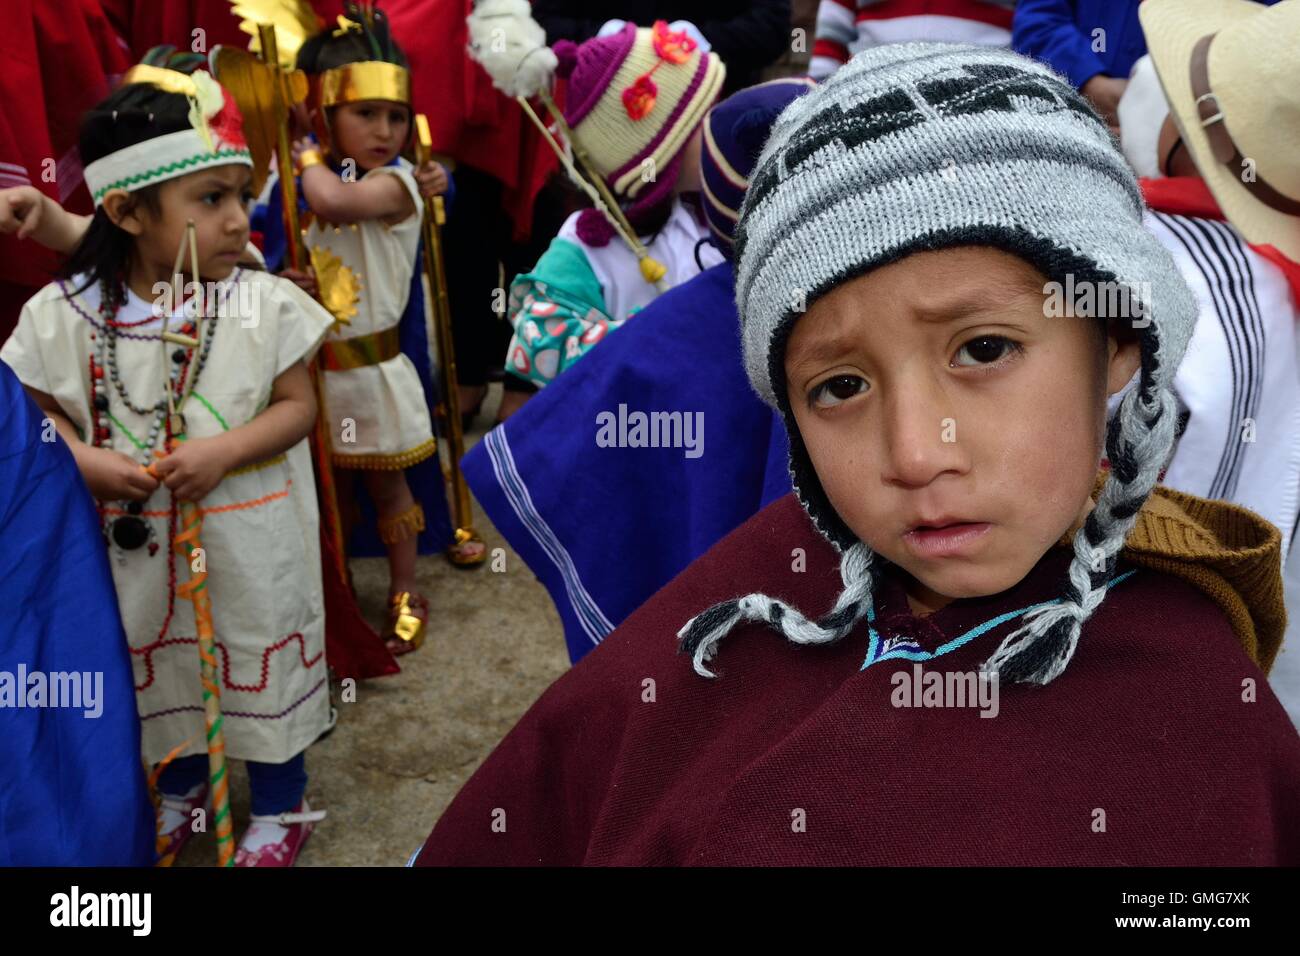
1138, 440
700, 635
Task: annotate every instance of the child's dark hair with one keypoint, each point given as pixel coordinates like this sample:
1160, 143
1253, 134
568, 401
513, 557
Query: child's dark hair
374, 41
131, 114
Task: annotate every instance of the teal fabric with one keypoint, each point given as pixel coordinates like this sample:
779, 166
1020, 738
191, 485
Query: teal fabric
559, 314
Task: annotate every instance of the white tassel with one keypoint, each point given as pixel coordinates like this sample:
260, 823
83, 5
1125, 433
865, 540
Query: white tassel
1037, 624
511, 46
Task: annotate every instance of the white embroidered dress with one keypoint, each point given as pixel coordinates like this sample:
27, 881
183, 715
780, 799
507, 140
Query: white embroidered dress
259, 528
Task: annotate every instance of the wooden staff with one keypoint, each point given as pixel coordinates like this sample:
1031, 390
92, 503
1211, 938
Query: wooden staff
434, 216
196, 590
584, 158
283, 150
265, 91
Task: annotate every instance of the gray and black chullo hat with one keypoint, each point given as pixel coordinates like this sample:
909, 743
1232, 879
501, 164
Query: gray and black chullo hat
923, 146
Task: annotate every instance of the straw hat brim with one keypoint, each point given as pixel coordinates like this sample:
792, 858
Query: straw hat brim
1173, 28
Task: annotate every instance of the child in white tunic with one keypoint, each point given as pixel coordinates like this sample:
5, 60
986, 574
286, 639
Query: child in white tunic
366, 208
167, 148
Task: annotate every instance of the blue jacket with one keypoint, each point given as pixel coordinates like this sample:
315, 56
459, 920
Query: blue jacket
1062, 33
72, 788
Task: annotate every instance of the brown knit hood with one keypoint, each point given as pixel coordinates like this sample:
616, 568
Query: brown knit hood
1225, 550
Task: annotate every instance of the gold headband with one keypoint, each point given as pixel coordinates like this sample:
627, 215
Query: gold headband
169, 81
370, 80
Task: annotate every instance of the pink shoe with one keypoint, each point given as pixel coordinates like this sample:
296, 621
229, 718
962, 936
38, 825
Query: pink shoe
275, 840
176, 813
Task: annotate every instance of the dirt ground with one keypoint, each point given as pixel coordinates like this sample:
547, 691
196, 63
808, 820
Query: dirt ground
403, 749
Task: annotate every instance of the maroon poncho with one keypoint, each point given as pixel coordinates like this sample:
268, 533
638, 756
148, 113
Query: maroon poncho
1142, 753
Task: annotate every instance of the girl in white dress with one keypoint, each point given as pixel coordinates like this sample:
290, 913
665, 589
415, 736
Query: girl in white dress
167, 148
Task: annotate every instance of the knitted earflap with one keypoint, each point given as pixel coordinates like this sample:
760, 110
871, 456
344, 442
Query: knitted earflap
1138, 440
645, 214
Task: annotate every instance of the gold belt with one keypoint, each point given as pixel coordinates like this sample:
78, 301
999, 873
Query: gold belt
341, 354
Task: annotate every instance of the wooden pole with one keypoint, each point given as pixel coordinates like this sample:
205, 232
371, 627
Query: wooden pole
196, 590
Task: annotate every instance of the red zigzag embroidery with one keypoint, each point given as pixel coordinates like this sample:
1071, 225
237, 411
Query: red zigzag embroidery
257, 688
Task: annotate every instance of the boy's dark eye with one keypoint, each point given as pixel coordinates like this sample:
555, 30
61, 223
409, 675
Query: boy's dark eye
835, 390
984, 350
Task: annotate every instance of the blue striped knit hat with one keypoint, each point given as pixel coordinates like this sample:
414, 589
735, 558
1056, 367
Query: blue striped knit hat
734, 133
923, 146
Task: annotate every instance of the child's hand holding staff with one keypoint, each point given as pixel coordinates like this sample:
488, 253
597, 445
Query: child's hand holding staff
432, 178
194, 467
113, 476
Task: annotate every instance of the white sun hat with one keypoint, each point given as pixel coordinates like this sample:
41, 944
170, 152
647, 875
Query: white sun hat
1231, 73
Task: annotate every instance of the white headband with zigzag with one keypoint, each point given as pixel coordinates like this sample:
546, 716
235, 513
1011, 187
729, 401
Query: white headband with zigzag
157, 160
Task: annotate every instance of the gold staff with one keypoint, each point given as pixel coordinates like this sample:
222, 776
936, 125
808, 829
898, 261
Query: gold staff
434, 217
265, 90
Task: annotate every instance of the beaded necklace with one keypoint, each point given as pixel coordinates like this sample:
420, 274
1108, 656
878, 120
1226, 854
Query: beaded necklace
131, 531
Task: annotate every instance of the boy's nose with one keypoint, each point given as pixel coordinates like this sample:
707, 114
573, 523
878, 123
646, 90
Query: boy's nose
921, 438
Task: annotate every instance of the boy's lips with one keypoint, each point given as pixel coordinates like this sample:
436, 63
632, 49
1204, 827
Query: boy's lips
945, 536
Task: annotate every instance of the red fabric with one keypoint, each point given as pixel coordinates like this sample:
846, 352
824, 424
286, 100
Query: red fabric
981, 12
1190, 196
148, 23
58, 60
1181, 196
831, 50
1147, 723
352, 647
469, 119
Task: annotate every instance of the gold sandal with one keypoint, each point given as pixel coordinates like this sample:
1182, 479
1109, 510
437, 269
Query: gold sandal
407, 629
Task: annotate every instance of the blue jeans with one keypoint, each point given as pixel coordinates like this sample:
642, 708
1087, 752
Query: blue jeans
276, 787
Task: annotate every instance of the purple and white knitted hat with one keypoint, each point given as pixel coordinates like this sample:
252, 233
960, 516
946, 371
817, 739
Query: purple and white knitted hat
633, 100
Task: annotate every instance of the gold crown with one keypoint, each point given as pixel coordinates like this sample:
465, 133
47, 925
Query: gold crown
369, 80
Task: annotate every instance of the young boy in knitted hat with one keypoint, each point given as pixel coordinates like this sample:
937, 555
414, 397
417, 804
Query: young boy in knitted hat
1016, 660
634, 101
